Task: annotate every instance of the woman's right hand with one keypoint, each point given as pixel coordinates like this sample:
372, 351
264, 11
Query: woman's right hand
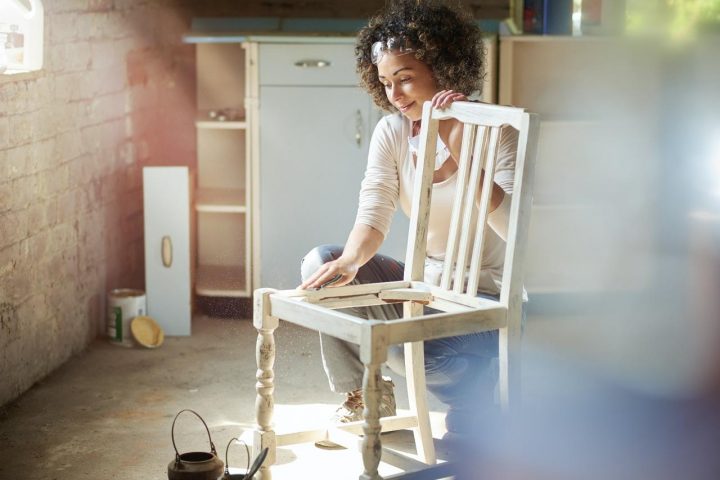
332, 274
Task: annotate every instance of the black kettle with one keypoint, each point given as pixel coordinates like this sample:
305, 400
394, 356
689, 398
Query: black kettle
194, 465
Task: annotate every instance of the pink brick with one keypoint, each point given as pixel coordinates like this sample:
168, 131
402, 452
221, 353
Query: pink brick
62, 237
143, 96
126, 153
63, 27
116, 132
4, 167
25, 191
38, 244
6, 196
68, 145
133, 178
57, 6
72, 87
41, 156
108, 107
67, 206
106, 54
22, 128
100, 5
62, 178
70, 57
108, 80
51, 213
91, 139
131, 4
14, 98
13, 227
42, 126
17, 161
37, 217
43, 187
4, 132
80, 171
20, 286
8, 259
101, 25
138, 66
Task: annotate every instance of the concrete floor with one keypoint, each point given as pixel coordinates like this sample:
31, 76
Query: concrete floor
108, 413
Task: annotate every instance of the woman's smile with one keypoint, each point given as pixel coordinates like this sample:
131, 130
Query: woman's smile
405, 108
408, 82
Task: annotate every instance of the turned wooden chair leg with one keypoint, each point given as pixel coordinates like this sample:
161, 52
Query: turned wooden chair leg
371, 445
264, 401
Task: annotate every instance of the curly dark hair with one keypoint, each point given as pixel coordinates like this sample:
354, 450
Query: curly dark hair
446, 39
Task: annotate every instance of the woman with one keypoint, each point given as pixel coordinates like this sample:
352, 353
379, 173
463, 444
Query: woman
416, 51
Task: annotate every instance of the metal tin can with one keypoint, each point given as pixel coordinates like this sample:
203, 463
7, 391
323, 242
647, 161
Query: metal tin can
124, 304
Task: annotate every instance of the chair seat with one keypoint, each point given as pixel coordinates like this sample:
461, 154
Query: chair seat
460, 315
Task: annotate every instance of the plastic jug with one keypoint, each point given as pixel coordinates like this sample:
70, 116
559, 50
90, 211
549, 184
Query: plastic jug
21, 35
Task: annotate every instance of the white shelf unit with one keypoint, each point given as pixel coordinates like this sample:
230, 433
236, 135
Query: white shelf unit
223, 190
573, 244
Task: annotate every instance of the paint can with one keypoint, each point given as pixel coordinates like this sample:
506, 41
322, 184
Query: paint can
124, 304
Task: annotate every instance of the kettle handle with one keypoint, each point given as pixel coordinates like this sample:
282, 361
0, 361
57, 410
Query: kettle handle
247, 452
212, 445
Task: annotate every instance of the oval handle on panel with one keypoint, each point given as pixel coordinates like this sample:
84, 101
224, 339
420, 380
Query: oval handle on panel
312, 63
166, 251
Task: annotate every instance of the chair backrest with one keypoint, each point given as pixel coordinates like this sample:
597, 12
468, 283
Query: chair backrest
482, 124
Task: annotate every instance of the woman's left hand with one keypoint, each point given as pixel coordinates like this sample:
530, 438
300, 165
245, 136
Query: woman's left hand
450, 130
445, 98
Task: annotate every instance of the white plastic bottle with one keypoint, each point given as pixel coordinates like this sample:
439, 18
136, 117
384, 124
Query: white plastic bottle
21, 35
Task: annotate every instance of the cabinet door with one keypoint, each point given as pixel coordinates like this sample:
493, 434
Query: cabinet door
313, 154
167, 247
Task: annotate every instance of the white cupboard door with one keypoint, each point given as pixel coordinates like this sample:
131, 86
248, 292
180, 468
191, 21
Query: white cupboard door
167, 247
313, 150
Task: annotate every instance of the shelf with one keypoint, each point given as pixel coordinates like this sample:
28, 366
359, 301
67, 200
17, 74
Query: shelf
221, 125
220, 200
221, 281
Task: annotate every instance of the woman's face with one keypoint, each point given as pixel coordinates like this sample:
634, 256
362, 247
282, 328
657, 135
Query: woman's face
408, 83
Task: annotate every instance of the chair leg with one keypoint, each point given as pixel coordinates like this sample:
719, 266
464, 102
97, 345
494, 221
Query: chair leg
417, 391
264, 401
371, 445
509, 357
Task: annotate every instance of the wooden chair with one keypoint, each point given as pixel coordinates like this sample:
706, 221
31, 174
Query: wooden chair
462, 311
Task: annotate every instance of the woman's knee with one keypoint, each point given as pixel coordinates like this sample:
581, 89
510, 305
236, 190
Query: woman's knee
317, 257
396, 360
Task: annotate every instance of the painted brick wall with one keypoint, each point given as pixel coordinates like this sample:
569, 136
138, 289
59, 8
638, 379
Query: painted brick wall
116, 93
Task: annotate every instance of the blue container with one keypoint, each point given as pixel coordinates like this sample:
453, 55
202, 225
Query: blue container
557, 17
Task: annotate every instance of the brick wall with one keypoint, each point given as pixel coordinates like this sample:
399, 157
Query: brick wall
116, 93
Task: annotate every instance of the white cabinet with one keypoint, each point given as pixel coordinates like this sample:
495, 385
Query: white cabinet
314, 131
166, 206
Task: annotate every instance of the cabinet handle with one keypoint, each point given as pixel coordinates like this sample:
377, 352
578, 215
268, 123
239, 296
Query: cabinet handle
358, 128
166, 251
312, 63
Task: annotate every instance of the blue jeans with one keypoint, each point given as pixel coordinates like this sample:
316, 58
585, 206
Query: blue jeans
461, 371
